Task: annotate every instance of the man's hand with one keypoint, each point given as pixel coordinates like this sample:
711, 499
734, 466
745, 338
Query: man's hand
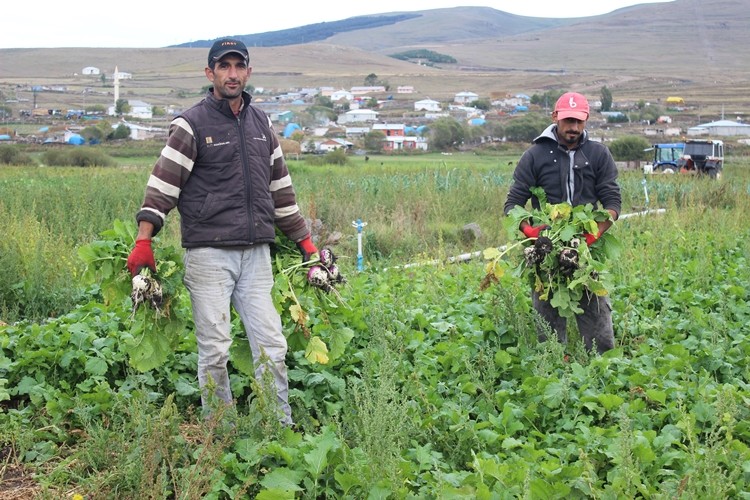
141, 256
307, 248
533, 231
591, 238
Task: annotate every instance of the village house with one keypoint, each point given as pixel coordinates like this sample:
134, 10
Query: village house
367, 90
358, 116
465, 97
341, 95
427, 105
332, 145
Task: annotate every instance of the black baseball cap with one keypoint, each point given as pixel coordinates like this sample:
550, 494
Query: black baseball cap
225, 46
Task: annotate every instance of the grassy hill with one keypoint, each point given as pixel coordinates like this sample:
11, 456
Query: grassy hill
690, 48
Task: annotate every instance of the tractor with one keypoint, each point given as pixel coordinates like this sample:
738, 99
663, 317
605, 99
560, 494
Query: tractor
665, 159
702, 157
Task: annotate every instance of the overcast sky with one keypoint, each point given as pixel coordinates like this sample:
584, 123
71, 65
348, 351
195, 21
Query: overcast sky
159, 23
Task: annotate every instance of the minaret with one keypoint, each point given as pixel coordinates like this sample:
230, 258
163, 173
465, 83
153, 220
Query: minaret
117, 87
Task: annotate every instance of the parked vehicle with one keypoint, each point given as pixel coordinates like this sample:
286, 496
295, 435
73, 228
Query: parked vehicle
665, 158
703, 157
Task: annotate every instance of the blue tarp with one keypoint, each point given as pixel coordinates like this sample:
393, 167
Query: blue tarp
76, 139
477, 121
4, 137
290, 129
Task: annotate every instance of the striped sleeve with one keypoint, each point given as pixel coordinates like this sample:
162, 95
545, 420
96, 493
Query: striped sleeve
287, 215
169, 175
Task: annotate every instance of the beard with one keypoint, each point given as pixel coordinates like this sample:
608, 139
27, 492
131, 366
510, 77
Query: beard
229, 92
570, 137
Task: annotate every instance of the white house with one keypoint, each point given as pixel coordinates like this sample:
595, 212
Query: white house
358, 116
465, 97
90, 70
140, 132
721, 128
334, 144
405, 89
122, 75
138, 109
340, 95
427, 105
395, 143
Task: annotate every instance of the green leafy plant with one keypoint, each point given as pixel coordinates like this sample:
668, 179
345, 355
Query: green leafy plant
559, 265
153, 334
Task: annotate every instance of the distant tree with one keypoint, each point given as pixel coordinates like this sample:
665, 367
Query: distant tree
371, 80
298, 136
547, 100
5, 111
374, 141
446, 133
93, 134
372, 103
324, 101
121, 132
630, 148
122, 107
526, 128
606, 99
483, 104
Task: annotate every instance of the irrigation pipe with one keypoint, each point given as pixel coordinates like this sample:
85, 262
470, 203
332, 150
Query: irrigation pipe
468, 256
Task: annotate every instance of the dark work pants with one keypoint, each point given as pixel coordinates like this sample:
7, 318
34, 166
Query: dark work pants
594, 325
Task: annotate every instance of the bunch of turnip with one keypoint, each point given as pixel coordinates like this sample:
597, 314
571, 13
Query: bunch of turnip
325, 275
146, 290
560, 267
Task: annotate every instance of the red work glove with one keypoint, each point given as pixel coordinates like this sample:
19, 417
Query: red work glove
591, 238
307, 248
533, 231
141, 256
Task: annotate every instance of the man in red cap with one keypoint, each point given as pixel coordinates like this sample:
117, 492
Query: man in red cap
570, 168
223, 169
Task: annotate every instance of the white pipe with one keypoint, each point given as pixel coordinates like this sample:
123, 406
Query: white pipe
468, 256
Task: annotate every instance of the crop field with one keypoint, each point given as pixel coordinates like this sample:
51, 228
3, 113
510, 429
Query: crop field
412, 381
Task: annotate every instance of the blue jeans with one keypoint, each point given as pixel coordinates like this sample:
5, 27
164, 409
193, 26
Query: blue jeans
217, 278
594, 325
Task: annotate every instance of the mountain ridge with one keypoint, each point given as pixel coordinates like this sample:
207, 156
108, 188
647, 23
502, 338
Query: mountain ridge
690, 48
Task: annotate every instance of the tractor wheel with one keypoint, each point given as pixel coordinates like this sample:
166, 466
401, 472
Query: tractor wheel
712, 173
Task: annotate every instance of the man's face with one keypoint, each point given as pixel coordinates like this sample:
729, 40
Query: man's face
229, 76
569, 130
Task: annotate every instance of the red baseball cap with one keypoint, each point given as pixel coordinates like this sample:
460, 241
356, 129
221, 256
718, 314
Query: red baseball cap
572, 105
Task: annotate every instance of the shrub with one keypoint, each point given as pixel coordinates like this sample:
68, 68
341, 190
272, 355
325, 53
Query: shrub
336, 157
11, 155
78, 157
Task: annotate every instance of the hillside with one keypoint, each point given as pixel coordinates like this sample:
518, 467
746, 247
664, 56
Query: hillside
691, 48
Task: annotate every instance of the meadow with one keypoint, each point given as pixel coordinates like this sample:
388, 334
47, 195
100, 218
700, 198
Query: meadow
428, 385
